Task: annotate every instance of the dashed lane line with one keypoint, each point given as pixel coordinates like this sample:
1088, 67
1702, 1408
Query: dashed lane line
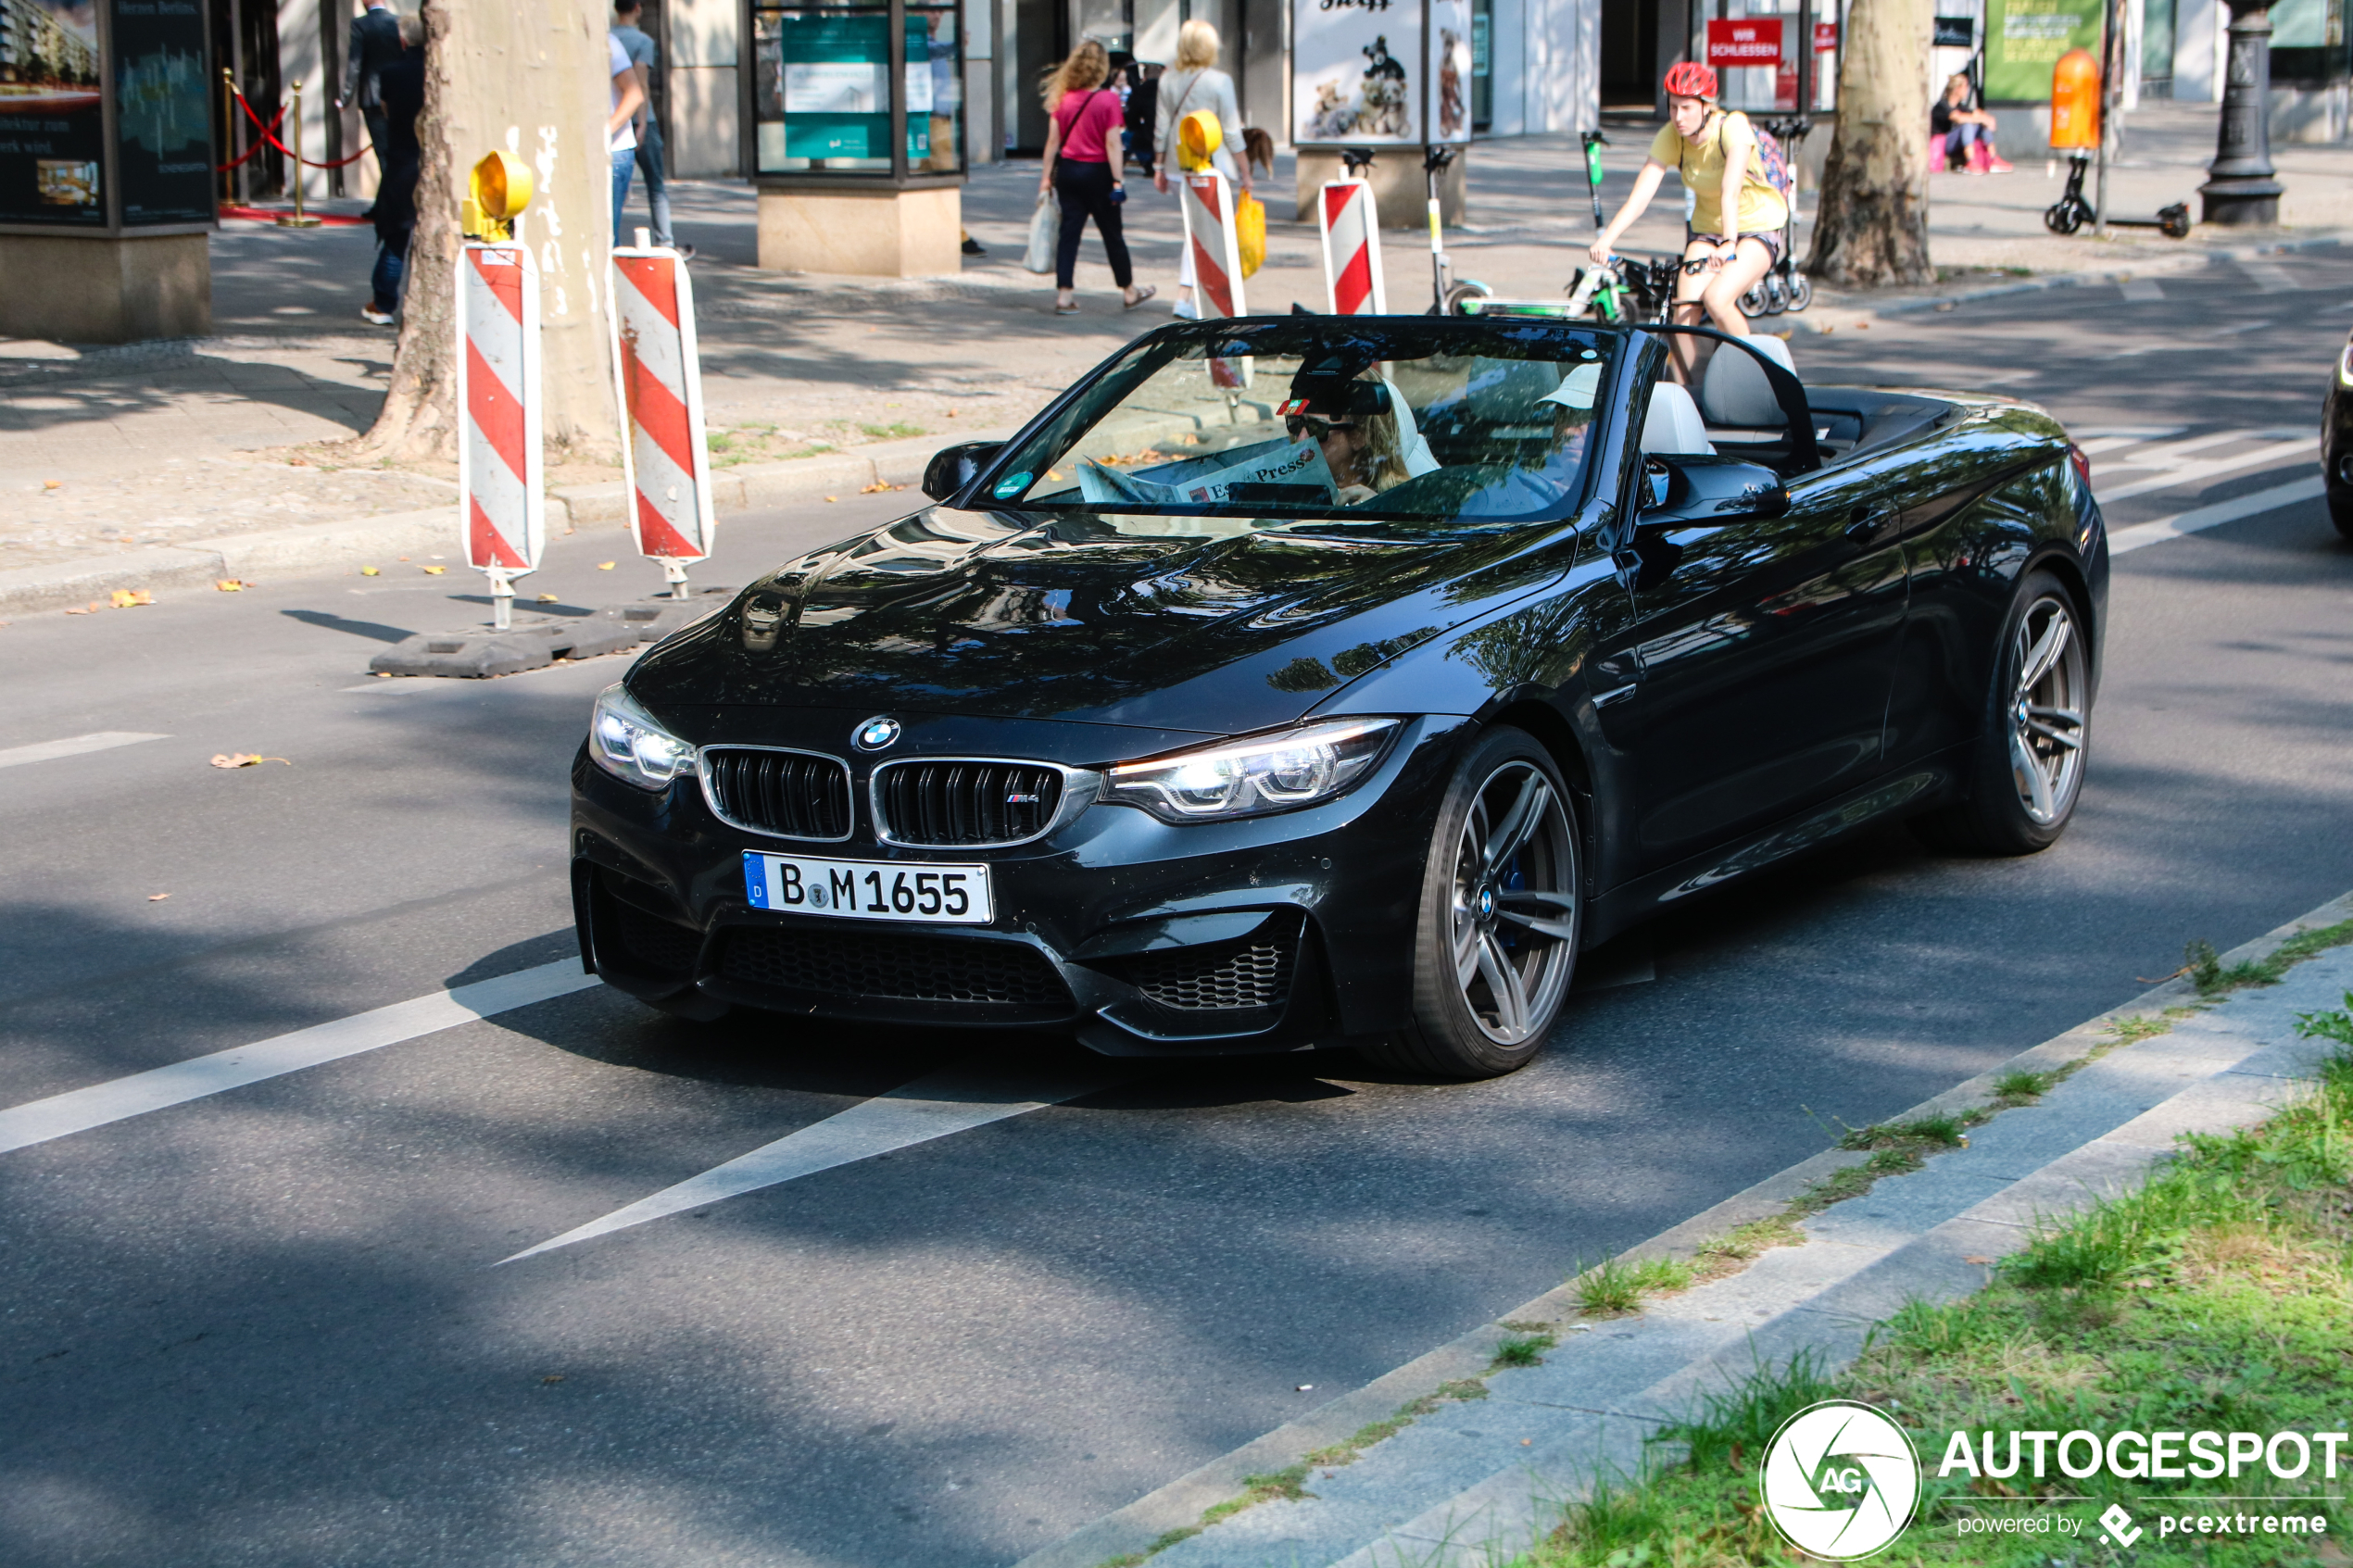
956, 1100
101, 740
2161, 528
78, 1111
2170, 477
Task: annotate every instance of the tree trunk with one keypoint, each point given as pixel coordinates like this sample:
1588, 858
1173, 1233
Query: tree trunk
530, 77
1870, 225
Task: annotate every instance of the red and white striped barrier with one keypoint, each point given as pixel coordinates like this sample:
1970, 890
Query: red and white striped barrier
1352, 280
502, 502
665, 464
1208, 206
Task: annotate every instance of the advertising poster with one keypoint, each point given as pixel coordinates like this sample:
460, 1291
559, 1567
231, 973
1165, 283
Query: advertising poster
2025, 38
52, 129
1354, 65
1448, 113
161, 112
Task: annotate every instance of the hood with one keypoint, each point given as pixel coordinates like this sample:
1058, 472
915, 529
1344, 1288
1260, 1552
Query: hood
1205, 624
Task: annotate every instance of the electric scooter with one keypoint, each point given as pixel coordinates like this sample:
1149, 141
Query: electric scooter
2070, 212
1448, 294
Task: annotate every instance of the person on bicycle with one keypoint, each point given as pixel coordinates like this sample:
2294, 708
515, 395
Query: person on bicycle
1737, 216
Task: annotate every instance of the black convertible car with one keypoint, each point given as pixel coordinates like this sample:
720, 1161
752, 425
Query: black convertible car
1306, 682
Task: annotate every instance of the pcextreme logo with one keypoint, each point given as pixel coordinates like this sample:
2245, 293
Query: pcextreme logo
1840, 1480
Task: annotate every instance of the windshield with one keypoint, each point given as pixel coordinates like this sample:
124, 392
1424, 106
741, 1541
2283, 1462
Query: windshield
1440, 425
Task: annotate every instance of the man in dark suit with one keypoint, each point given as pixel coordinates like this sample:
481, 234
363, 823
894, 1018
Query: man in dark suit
375, 44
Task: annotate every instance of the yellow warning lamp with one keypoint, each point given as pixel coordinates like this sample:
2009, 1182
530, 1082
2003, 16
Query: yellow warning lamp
1198, 136
499, 188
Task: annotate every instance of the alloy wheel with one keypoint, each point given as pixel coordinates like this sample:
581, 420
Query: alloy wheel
1514, 929
2046, 713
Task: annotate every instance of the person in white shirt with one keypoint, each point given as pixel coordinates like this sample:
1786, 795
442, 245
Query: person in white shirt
1197, 83
621, 130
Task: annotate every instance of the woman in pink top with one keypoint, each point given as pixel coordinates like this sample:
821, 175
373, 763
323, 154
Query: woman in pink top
1084, 163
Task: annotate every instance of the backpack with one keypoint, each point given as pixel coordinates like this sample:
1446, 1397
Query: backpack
1769, 154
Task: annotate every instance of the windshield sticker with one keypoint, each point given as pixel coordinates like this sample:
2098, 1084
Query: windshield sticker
1012, 484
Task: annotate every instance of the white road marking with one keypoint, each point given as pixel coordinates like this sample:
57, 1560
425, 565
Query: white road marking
101, 741
2115, 438
2156, 532
2268, 277
80, 1110
2170, 476
2141, 290
956, 1100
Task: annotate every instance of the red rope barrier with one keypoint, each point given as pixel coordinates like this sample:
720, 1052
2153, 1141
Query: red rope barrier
224, 168
268, 134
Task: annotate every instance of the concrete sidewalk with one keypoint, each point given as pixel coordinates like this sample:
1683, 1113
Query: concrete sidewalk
111, 455
1474, 1482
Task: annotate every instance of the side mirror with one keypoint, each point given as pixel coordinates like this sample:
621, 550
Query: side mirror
1768, 500
953, 468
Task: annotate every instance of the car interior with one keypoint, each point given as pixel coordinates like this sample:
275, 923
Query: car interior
1736, 414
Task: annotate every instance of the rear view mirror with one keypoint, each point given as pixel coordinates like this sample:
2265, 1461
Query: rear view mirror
953, 468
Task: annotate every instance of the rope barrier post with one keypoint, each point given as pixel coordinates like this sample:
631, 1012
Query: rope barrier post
298, 221
229, 113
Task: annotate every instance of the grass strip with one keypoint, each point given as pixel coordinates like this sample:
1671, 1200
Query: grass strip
2215, 1296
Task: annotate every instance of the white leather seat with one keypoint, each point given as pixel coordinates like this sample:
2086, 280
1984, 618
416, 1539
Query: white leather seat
1673, 427
1734, 391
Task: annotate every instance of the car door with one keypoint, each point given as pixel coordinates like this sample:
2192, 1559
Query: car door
1753, 674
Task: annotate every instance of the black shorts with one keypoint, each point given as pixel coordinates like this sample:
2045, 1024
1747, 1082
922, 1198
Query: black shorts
1772, 242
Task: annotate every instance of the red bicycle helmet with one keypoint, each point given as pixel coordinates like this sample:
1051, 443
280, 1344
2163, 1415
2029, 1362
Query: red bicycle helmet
1691, 80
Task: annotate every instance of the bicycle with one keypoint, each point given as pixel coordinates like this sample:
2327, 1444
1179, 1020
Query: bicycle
1628, 290
1784, 287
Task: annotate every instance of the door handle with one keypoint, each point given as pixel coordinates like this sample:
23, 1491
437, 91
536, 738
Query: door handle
1865, 522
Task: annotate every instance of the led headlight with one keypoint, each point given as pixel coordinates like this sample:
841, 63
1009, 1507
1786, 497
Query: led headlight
1249, 778
2344, 366
629, 744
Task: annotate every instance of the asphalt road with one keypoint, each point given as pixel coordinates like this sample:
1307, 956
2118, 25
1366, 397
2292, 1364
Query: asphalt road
271, 1325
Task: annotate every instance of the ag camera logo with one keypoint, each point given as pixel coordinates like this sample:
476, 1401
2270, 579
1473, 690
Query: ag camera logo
1840, 1480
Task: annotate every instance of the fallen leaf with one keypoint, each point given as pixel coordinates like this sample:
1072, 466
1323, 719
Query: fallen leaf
553, 1377
157, 898
548, 598
231, 586
243, 759
880, 486
51, 483
604, 566
831, 498
298, 462
404, 558
124, 598
435, 570
90, 609
1976, 1259
370, 571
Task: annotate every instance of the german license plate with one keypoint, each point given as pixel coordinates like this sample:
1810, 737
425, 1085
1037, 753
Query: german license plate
869, 889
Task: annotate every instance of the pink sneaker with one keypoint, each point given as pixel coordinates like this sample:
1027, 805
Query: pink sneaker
1995, 166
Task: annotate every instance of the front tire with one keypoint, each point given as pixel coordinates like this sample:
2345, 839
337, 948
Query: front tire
2027, 772
2341, 510
1502, 911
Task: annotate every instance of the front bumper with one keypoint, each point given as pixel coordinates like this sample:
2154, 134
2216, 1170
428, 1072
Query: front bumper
1140, 937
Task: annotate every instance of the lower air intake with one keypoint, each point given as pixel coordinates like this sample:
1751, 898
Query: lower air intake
1251, 973
975, 978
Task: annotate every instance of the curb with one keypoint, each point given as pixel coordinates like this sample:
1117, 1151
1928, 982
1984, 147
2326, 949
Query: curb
347, 543
2182, 261
1181, 1504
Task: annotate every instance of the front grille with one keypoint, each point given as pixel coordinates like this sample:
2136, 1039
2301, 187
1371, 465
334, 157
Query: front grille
788, 793
947, 803
997, 975
654, 945
1254, 971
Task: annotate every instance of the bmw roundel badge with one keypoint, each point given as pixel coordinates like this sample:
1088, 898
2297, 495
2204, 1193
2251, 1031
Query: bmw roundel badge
876, 734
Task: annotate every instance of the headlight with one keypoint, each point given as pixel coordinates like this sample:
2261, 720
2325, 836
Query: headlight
2344, 366
627, 743
1249, 778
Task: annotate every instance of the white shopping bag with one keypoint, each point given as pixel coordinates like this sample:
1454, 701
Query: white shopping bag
1045, 229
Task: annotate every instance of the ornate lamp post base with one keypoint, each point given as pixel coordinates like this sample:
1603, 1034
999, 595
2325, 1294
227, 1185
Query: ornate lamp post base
2240, 188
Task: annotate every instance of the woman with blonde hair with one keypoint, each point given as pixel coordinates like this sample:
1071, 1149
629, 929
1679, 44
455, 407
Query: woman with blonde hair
1197, 83
1084, 165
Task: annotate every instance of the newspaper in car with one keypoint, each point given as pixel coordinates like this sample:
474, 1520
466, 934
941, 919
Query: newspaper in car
1293, 472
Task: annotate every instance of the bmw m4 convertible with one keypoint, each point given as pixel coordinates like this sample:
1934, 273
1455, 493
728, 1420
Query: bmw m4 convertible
1334, 681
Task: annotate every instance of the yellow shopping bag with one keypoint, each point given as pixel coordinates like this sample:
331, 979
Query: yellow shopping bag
1250, 234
